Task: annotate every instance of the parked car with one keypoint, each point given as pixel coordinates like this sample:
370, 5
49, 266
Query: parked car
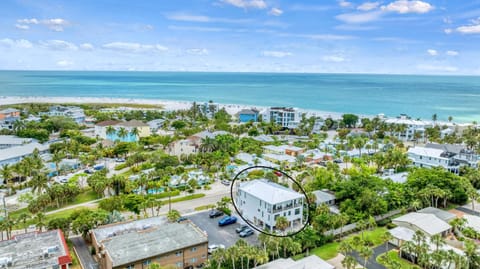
182, 219
246, 232
226, 182
120, 160
212, 248
241, 228
227, 220
278, 174
215, 213
88, 171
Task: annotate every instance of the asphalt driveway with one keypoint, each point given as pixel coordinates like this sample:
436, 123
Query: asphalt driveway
225, 235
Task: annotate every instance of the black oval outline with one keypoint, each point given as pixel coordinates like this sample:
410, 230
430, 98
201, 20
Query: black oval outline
285, 174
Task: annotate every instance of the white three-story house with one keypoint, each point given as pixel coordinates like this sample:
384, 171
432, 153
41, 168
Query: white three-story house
261, 202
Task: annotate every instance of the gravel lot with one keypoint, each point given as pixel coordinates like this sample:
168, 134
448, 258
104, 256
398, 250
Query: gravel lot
225, 235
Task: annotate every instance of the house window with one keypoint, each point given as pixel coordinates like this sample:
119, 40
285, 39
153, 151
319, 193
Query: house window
194, 249
260, 202
289, 212
147, 262
193, 260
178, 253
284, 214
179, 264
262, 214
276, 216
131, 266
297, 211
204, 256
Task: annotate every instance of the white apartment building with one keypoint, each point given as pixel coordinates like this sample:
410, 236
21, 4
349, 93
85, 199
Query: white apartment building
433, 157
411, 127
261, 202
283, 116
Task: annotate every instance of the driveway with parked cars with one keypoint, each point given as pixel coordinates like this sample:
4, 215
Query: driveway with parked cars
225, 235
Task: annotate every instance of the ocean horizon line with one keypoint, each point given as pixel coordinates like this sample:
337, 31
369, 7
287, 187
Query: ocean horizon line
245, 72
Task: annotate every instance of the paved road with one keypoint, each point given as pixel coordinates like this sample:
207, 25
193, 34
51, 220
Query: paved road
220, 235
468, 211
372, 262
83, 252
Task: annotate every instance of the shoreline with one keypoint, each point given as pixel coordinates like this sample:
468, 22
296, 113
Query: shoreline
167, 105
170, 105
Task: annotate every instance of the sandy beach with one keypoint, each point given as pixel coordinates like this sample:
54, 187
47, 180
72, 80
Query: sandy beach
168, 105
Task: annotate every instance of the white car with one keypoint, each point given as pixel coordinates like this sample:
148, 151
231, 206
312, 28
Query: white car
212, 248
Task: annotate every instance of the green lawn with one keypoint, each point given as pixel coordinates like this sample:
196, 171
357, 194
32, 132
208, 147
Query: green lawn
330, 250
186, 198
392, 254
203, 207
84, 197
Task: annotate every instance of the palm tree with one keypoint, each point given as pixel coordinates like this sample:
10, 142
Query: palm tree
437, 240
434, 118
40, 221
366, 253
39, 182
22, 218
349, 262
450, 118
57, 158
386, 237
122, 133
135, 132
282, 223
7, 173
110, 131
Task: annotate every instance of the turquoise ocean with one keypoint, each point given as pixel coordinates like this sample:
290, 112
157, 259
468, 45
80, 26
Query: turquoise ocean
417, 96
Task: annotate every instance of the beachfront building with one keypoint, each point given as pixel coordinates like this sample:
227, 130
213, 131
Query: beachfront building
35, 250
111, 130
247, 115
73, 112
282, 116
261, 202
409, 129
434, 156
15, 154
8, 117
137, 244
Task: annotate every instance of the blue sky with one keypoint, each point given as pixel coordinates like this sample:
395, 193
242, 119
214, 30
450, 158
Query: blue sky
389, 36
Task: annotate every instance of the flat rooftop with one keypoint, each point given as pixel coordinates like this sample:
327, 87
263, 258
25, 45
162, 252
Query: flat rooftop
269, 192
138, 240
34, 250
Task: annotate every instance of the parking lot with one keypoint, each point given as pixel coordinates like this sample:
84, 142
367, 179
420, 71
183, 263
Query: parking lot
225, 235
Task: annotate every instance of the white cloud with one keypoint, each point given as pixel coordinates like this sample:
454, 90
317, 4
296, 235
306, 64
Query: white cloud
437, 68
64, 63
344, 3
276, 54
86, 46
258, 4
56, 24
19, 43
333, 58
197, 51
432, 52
134, 47
201, 18
58, 45
367, 6
275, 11
469, 29
359, 17
28, 21
22, 26
197, 28
407, 6
448, 31
452, 52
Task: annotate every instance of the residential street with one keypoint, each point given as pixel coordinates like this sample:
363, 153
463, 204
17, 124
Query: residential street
372, 262
83, 252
